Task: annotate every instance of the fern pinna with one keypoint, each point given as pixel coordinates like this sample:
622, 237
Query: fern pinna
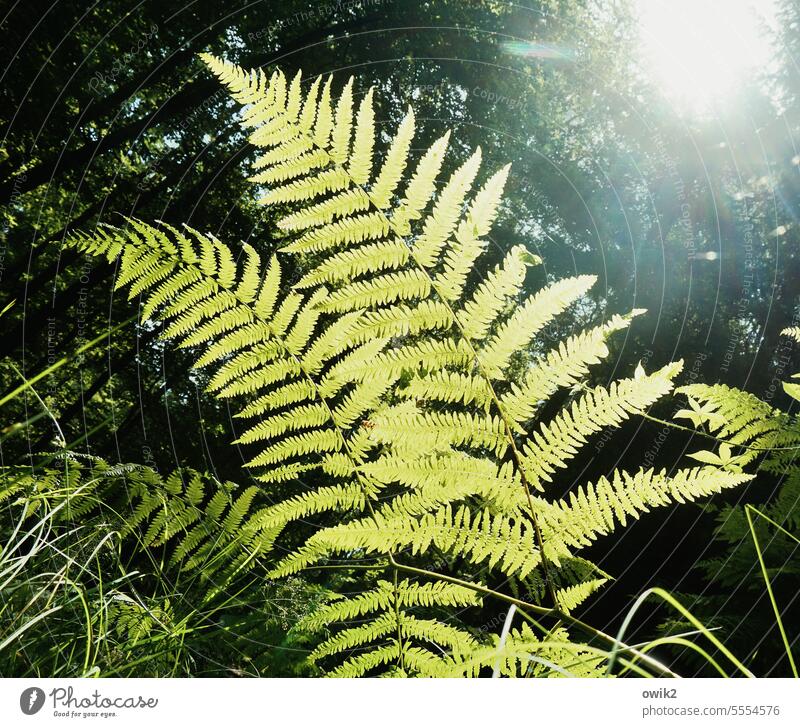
377, 390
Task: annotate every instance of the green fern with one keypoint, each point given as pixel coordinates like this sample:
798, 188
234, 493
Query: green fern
72, 487
388, 621
215, 534
382, 380
751, 434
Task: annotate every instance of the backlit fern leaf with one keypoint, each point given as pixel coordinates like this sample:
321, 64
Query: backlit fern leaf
560, 439
751, 434
793, 332
495, 540
385, 375
564, 366
276, 354
212, 533
742, 420
596, 509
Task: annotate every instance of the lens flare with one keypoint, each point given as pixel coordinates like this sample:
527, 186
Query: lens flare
539, 50
701, 51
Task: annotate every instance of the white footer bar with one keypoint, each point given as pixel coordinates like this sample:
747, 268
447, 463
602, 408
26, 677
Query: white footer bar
410, 703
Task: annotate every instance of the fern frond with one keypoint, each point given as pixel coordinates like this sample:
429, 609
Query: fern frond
346, 497
404, 428
441, 222
308, 416
595, 509
402, 320
350, 264
341, 205
408, 594
538, 310
385, 184
445, 477
493, 293
381, 290
360, 163
358, 636
360, 665
313, 442
562, 367
383, 380
571, 597
497, 540
554, 443
523, 654
449, 387
421, 186
345, 232
793, 332
277, 351
428, 355
460, 257
746, 416
389, 603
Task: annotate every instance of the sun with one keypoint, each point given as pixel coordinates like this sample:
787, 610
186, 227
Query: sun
700, 51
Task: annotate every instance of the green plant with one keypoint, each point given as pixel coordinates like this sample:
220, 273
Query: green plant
752, 576
115, 570
380, 383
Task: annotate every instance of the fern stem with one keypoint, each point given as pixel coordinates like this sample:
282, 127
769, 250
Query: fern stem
506, 425
708, 435
397, 619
